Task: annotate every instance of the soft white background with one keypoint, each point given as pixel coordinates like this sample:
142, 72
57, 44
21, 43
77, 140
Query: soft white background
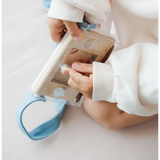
26, 48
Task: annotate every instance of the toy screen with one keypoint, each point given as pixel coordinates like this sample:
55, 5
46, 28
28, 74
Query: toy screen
75, 55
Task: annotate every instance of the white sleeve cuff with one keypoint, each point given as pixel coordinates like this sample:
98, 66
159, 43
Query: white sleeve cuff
65, 11
103, 82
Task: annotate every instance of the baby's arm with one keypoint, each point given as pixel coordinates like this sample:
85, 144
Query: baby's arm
129, 78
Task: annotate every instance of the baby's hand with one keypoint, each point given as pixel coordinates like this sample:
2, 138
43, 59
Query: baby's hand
78, 81
59, 27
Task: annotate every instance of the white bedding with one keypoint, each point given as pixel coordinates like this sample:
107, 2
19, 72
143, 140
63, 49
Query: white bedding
26, 48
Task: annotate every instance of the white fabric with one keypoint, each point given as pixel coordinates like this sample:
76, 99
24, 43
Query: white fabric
133, 82
62, 10
97, 8
71, 13
27, 46
131, 88
106, 87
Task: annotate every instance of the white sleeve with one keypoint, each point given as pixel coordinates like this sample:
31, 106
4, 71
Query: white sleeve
96, 8
65, 11
73, 10
129, 78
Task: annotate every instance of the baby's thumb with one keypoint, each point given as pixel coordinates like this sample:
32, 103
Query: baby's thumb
73, 30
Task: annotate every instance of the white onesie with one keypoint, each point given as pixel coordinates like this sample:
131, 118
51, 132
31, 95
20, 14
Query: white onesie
130, 76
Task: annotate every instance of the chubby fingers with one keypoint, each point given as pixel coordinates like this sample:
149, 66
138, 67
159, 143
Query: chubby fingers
57, 29
82, 83
83, 67
73, 30
75, 76
80, 67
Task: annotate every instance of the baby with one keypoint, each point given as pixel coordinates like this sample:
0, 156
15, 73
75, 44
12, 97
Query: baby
124, 90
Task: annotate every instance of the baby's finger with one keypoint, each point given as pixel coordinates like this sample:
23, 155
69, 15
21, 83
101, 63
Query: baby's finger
74, 85
83, 67
73, 30
57, 29
81, 83
78, 78
65, 70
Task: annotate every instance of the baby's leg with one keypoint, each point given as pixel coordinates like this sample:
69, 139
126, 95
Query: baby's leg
108, 115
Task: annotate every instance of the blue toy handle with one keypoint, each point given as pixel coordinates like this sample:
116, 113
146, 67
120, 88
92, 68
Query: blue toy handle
46, 128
